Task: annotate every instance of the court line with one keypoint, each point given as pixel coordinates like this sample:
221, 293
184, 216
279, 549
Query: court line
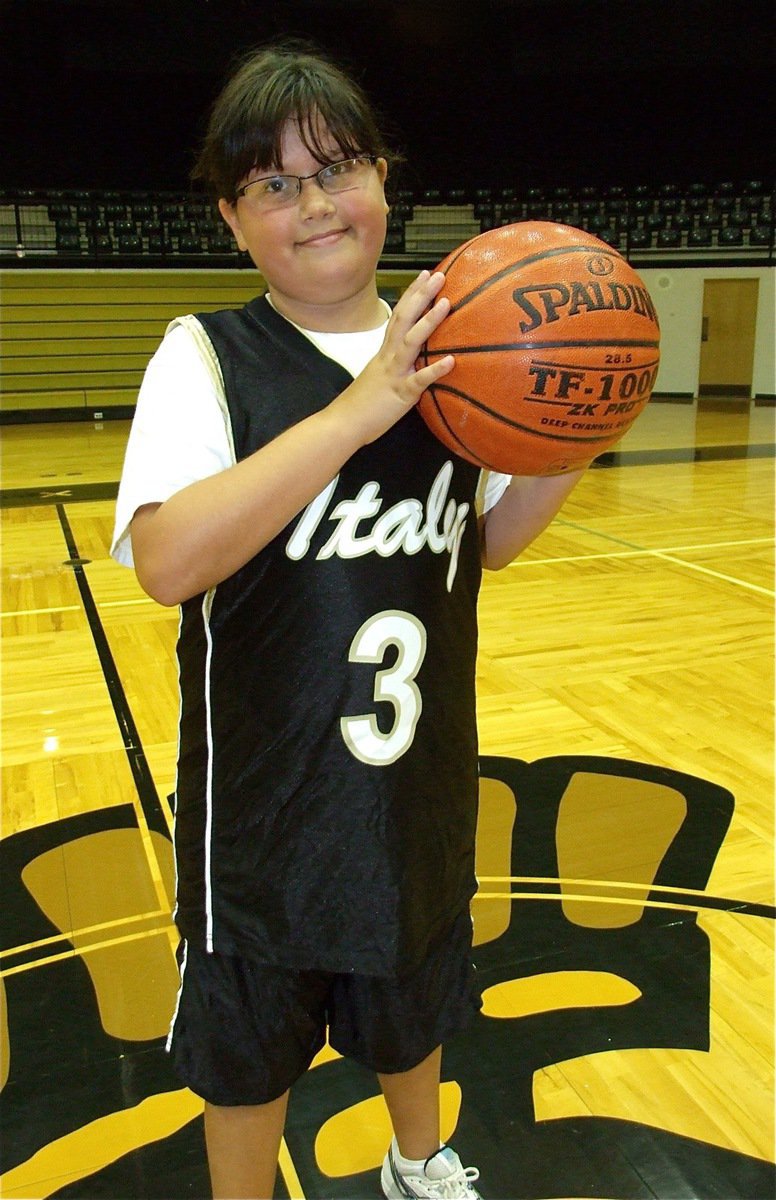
665, 456
700, 899
68, 935
691, 902
6, 972
581, 881
37, 612
34, 612
126, 603
288, 1171
665, 553
154, 814
683, 562
519, 562
738, 908
544, 562
150, 814
612, 537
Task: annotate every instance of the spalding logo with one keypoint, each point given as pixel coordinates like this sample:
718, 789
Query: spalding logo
544, 303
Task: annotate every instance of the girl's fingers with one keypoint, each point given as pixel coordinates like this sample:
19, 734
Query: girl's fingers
434, 371
416, 315
418, 296
409, 335
431, 319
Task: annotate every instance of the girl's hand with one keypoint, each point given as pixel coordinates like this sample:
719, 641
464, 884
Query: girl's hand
391, 384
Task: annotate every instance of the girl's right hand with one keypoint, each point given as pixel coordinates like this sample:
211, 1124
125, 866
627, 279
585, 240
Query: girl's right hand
391, 384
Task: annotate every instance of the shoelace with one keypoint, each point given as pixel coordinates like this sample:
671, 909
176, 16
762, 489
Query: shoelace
451, 1185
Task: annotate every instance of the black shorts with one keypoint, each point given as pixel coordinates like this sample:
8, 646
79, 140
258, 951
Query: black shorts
244, 1031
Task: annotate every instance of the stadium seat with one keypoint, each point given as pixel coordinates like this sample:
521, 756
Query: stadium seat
101, 243
189, 244
68, 243
59, 226
130, 243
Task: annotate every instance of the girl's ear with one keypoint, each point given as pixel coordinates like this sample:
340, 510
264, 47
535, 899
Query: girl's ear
229, 212
381, 166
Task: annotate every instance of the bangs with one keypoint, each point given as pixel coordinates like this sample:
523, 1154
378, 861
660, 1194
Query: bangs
332, 122
321, 132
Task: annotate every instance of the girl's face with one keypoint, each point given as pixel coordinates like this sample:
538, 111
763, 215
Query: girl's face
318, 253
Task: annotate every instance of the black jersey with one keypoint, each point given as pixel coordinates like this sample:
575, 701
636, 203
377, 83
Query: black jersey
327, 774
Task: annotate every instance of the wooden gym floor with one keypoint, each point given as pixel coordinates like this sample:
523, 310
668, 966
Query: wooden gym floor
624, 926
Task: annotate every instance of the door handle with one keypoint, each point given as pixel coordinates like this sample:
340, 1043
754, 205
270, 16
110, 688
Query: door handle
704, 329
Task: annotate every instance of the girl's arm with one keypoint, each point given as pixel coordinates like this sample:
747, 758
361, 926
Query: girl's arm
526, 508
208, 530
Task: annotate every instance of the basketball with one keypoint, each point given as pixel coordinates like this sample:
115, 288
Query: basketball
556, 345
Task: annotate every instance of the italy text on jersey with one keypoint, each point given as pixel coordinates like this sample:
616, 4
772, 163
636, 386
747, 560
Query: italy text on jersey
406, 527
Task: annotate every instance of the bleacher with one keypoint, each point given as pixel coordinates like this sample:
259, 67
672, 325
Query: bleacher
90, 280
698, 222
75, 343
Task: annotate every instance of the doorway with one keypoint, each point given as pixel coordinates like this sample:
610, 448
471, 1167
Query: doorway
727, 339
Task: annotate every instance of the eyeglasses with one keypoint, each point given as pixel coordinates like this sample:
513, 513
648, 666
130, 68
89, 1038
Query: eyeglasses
273, 191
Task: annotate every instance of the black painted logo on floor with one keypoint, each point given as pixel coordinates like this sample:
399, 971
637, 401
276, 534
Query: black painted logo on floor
595, 975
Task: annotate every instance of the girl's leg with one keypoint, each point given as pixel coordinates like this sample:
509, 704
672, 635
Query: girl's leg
243, 1143
413, 1102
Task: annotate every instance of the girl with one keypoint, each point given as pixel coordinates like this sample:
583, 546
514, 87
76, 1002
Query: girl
326, 551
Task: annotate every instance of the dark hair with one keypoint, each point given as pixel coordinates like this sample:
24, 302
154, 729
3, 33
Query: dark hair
289, 80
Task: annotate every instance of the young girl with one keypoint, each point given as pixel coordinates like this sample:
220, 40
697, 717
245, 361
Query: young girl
326, 552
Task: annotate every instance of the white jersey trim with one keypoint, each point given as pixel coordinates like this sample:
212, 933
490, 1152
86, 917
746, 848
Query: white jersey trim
210, 359
207, 605
177, 762
181, 973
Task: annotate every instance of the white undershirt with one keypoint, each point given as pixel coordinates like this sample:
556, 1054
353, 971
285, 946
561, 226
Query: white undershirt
180, 433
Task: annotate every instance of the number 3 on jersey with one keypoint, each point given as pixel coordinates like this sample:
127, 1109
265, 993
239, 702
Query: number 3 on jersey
396, 684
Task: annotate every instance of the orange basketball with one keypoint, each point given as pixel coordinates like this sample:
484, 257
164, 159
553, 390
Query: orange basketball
556, 345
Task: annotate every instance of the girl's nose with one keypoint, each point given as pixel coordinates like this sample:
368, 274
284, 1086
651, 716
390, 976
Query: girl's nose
313, 200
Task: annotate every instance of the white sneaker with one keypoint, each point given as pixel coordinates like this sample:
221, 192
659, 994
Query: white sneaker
441, 1175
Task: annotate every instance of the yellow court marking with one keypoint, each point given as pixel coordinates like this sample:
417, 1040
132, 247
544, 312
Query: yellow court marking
554, 990
355, 1138
121, 922
670, 905
85, 1151
604, 883
149, 841
68, 934
288, 1171
82, 950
